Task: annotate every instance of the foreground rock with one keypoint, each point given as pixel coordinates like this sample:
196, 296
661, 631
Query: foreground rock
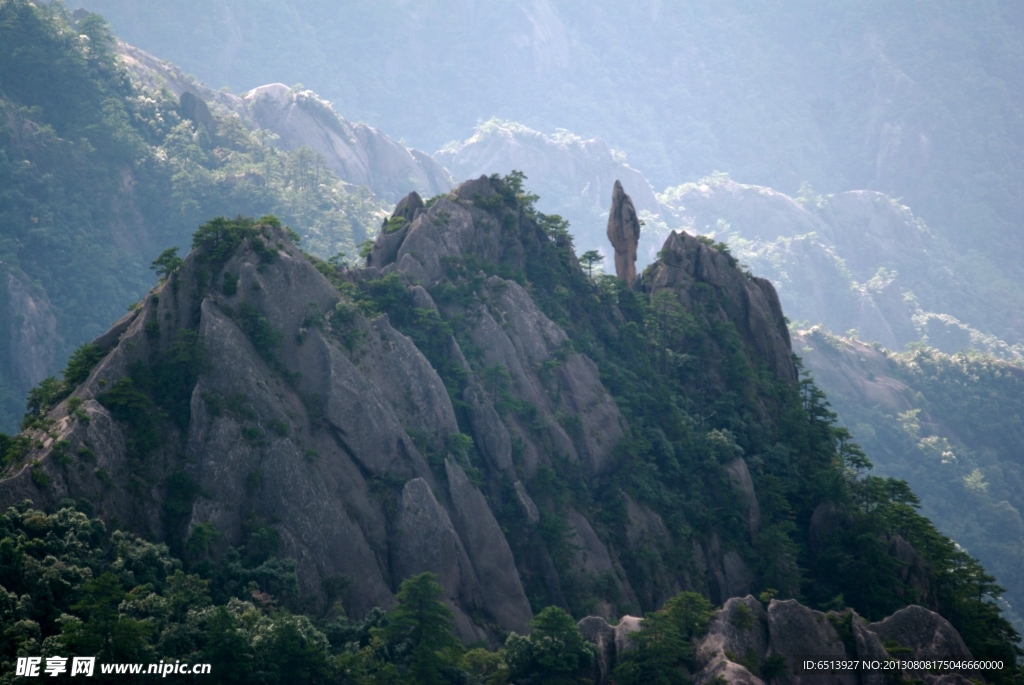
748, 645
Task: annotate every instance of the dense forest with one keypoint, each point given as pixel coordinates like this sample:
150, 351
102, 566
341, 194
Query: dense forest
98, 175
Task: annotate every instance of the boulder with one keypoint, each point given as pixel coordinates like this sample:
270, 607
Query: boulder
194, 109
624, 233
796, 631
737, 632
923, 631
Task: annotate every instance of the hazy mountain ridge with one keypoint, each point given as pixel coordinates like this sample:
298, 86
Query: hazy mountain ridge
859, 260
359, 154
918, 102
856, 260
100, 174
572, 176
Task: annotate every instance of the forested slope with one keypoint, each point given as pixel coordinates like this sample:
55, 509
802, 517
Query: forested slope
950, 425
98, 176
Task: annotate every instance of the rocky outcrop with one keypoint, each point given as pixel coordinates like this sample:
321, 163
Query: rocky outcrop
857, 260
570, 174
511, 332
611, 642
929, 635
737, 641
747, 645
599, 633
624, 233
794, 631
748, 301
195, 109
309, 438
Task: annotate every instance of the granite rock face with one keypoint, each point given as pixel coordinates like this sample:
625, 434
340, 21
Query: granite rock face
624, 233
688, 264
312, 440
374, 455
358, 153
925, 632
748, 645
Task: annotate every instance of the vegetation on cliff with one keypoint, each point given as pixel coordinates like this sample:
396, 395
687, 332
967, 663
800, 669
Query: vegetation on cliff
950, 425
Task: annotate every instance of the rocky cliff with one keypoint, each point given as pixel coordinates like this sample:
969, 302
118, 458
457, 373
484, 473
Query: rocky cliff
248, 390
468, 403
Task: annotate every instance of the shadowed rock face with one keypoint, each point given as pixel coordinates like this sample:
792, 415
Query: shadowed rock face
624, 233
28, 332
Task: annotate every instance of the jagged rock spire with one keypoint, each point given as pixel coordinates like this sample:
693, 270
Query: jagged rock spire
624, 233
